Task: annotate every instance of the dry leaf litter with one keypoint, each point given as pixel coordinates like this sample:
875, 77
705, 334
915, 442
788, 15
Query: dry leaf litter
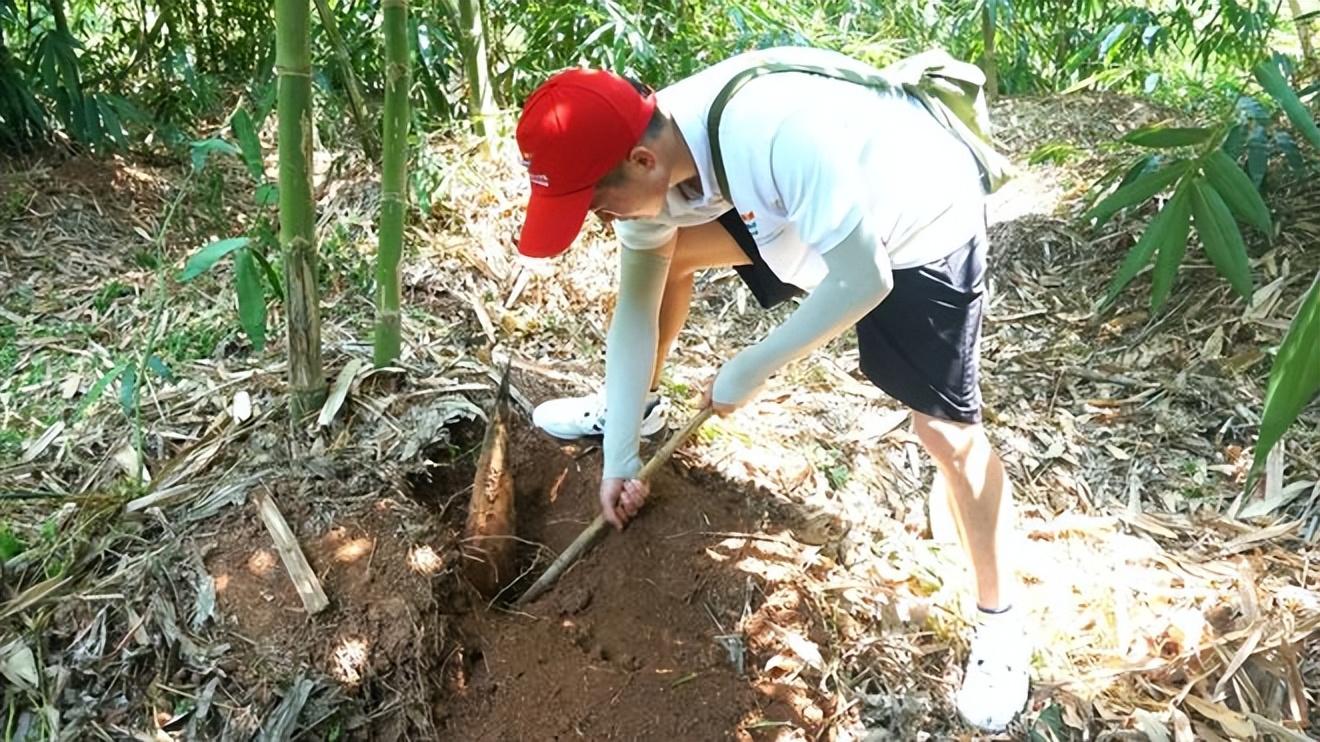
1170, 604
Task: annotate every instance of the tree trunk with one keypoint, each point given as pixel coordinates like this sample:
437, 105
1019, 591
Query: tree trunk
394, 180
355, 100
297, 210
472, 43
988, 63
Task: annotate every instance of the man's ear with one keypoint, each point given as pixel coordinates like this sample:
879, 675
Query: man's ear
643, 156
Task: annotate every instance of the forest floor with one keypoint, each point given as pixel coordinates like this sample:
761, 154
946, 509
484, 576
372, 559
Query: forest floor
781, 587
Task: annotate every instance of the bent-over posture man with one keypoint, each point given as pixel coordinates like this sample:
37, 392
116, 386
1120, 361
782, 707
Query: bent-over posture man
854, 195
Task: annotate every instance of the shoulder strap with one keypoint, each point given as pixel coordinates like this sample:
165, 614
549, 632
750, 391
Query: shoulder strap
915, 77
745, 76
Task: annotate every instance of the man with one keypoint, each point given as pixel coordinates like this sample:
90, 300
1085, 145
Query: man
858, 197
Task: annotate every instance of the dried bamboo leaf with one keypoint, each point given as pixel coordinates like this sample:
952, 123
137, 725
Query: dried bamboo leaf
19, 665
42, 442
339, 392
1237, 725
283, 721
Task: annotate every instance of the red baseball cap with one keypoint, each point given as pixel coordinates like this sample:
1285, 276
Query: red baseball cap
574, 129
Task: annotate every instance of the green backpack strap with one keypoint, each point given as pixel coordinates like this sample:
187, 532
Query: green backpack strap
952, 91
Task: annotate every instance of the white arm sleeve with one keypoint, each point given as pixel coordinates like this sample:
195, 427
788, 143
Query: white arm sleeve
859, 278
630, 349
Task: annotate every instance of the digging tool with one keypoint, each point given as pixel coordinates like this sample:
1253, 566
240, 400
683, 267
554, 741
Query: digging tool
489, 548
591, 533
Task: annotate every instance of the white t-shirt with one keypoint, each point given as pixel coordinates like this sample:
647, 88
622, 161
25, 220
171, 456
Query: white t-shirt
807, 156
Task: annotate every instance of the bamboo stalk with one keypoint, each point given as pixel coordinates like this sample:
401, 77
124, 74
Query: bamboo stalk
394, 181
472, 44
356, 103
1303, 34
989, 63
297, 218
585, 540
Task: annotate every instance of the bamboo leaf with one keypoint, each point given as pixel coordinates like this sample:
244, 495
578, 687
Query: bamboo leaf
1139, 190
202, 149
114, 128
1174, 224
1220, 236
1268, 75
159, 368
1158, 233
1258, 155
251, 298
248, 142
203, 259
269, 270
1167, 136
128, 389
1288, 146
1294, 378
99, 388
267, 194
1237, 190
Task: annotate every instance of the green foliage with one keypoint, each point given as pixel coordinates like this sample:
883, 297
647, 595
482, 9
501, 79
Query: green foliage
190, 343
107, 294
1220, 236
10, 544
1140, 189
1213, 193
251, 290
1054, 152
1163, 137
116, 70
1268, 75
8, 349
253, 271
1228, 180
1294, 378
203, 259
1167, 233
1254, 134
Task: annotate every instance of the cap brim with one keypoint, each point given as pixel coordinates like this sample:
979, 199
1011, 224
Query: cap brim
553, 222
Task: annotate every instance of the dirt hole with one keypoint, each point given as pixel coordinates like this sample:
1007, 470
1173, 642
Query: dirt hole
655, 635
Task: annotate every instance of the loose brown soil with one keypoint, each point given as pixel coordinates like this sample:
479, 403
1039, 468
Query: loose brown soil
624, 647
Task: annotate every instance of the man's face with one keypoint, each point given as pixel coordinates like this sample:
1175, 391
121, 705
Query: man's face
635, 190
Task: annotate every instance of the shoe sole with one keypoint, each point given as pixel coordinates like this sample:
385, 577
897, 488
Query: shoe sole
646, 432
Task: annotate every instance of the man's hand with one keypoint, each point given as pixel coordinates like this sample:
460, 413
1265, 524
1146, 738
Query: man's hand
719, 408
622, 499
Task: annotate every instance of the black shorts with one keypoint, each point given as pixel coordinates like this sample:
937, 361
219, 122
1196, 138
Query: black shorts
921, 345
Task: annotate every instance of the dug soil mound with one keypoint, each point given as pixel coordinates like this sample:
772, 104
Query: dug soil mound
658, 633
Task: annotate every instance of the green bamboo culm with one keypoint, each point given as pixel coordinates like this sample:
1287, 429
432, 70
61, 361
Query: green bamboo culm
481, 92
394, 180
297, 211
356, 106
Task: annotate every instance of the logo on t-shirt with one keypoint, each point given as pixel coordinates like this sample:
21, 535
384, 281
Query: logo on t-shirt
749, 219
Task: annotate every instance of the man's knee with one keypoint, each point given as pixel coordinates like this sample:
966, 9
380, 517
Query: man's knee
946, 440
705, 246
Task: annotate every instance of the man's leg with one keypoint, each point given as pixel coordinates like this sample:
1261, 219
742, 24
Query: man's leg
996, 681
973, 478
705, 246
698, 248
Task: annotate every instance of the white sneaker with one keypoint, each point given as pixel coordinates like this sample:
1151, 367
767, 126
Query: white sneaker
576, 417
995, 685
